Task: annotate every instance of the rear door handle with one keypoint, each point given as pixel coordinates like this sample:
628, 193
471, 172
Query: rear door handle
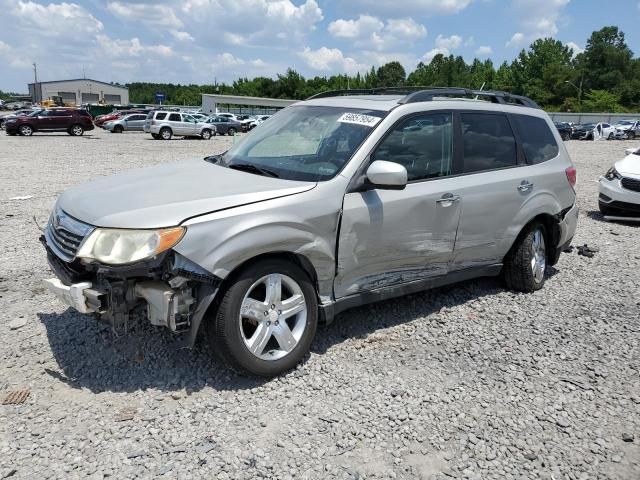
448, 199
525, 186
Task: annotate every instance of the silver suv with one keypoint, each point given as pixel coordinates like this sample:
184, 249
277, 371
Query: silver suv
335, 202
163, 125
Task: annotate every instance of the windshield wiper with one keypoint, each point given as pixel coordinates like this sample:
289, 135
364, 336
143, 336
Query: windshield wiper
248, 167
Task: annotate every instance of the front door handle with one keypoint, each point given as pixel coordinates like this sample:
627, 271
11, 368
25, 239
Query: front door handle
448, 199
525, 186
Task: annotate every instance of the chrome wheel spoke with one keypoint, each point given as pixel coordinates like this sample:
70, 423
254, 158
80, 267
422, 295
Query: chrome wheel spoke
259, 340
274, 289
284, 336
293, 305
253, 309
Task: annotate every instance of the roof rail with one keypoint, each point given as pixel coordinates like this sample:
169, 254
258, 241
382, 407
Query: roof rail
427, 94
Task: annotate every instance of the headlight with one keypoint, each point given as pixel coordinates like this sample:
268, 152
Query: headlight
612, 174
116, 247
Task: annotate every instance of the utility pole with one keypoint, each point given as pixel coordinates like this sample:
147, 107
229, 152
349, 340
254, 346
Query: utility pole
35, 83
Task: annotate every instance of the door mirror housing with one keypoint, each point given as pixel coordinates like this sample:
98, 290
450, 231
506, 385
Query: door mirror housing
385, 175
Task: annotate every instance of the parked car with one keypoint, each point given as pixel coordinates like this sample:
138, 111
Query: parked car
17, 113
333, 203
619, 188
100, 120
74, 121
248, 122
604, 130
225, 125
627, 129
163, 125
564, 129
583, 131
127, 123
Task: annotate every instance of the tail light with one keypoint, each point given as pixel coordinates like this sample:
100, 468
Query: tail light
571, 176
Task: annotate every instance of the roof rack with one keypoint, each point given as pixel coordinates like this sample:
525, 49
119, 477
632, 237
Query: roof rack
427, 94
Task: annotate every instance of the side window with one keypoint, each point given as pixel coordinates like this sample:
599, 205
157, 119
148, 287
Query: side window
174, 117
161, 116
488, 142
422, 144
538, 142
137, 117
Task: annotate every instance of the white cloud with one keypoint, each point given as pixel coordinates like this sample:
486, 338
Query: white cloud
484, 50
427, 57
517, 40
181, 36
149, 14
537, 19
130, 48
55, 19
448, 43
363, 26
575, 47
416, 7
11, 57
331, 60
371, 32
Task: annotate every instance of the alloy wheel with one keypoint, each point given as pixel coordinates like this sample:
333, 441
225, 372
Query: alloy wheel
273, 316
539, 258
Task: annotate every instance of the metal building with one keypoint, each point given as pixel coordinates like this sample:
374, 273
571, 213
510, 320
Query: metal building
80, 91
241, 104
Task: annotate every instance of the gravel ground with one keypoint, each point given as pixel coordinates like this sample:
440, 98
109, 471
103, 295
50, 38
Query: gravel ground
470, 381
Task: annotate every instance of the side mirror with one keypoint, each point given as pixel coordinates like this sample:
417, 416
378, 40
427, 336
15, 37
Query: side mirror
387, 175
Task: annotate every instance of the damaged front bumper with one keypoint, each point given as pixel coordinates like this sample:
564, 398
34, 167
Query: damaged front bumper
168, 291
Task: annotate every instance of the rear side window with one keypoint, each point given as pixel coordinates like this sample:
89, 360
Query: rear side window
538, 142
161, 116
488, 142
422, 144
175, 117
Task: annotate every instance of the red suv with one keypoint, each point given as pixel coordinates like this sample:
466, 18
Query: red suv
74, 121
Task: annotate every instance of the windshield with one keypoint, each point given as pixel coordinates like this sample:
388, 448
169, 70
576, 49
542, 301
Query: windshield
305, 143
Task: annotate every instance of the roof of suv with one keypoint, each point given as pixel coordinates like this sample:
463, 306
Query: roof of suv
386, 99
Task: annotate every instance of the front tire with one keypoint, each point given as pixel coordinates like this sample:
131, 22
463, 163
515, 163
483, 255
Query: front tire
610, 137
266, 319
206, 134
526, 264
118, 129
25, 130
166, 133
231, 131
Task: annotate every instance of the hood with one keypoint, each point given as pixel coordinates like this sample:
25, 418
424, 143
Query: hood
166, 195
629, 165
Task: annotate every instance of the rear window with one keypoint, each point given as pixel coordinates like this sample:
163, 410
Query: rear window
161, 115
175, 117
488, 142
538, 142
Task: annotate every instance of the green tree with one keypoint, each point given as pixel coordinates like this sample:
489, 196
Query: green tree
391, 74
601, 101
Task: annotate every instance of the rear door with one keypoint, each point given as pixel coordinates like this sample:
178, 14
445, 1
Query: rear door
136, 122
492, 184
390, 237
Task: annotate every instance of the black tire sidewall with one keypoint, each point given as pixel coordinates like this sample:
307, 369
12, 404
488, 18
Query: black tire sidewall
166, 129
518, 272
227, 336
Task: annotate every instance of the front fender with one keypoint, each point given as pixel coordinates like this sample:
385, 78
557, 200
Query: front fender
305, 224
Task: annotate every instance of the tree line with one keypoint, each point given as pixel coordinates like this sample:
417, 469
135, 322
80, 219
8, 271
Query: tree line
605, 77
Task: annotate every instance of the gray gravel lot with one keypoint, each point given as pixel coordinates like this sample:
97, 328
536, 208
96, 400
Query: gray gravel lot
469, 381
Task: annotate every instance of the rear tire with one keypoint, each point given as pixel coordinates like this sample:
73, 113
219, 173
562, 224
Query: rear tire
250, 314
231, 131
166, 133
76, 130
155, 136
526, 264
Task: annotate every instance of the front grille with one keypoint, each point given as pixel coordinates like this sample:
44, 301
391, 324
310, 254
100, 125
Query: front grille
631, 184
64, 234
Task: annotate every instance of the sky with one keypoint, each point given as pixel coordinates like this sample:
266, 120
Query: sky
202, 41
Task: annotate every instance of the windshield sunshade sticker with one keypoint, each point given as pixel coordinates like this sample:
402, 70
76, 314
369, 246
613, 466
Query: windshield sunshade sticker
359, 119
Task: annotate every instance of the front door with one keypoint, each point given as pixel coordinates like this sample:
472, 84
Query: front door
135, 122
389, 237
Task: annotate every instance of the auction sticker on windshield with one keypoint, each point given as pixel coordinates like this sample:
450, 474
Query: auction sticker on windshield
359, 119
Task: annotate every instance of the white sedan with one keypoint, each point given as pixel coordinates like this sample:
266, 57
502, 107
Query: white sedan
620, 187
